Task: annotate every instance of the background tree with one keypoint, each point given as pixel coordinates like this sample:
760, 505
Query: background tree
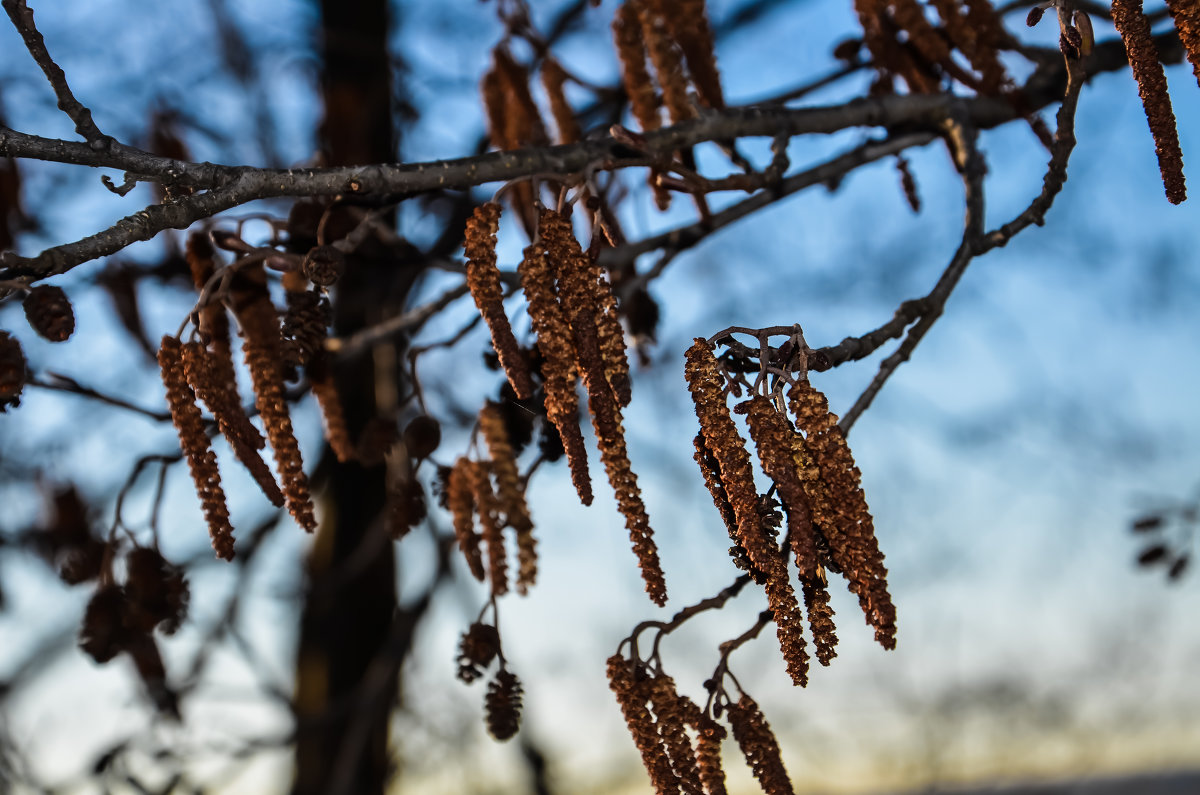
328, 230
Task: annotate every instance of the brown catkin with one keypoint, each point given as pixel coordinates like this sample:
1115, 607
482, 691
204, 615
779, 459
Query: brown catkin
213, 323
558, 355
1186, 14
708, 754
629, 687
261, 347
202, 462
49, 312
772, 437
554, 78
706, 384
820, 618
12, 371
1134, 28
460, 500
333, 418
695, 38
483, 279
758, 744
631, 50
665, 55
670, 713
488, 507
840, 510
613, 352
203, 374
511, 492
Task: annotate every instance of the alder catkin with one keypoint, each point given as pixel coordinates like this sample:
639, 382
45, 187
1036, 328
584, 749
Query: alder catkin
629, 687
1134, 28
483, 279
460, 500
631, 51
554, 79
558, 367
202, 462
1186, 14
759, 747
261, 347
670, 714
668, 67
840, 510
689, 21
492, 529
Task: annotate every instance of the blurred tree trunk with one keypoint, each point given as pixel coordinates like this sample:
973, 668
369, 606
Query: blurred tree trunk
342, 741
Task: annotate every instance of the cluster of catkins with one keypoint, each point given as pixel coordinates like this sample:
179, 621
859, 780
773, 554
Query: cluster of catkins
275, 350
573, 313
829, 526
664, 721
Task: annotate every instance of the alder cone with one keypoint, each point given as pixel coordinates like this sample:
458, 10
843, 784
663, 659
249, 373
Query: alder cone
12, 371
49, 313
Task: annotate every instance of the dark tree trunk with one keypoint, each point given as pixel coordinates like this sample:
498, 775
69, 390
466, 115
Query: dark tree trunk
346, 679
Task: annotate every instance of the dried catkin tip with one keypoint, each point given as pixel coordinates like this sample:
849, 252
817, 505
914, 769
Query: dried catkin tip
694, 36
492, 529
758, 744
554, 78
1134, 28
202, 462
632, 694
503, 705
483, 279
460, 500
1186, 14
12, 371
49, 313
820, 618
631, 50
840, 510
670, 713
558, 367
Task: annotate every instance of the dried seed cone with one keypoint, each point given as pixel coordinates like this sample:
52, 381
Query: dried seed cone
104, 633
305, 325
558, 354
261, 347
49, 312
202, 462
631, 50
503, 705
632, 696
477, 647
460, 499
758, 744
12, 371
324, 265
1134, 28
483, 279
157, 592
840, 510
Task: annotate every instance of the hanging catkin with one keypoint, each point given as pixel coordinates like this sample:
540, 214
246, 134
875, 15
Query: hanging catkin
202, 462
